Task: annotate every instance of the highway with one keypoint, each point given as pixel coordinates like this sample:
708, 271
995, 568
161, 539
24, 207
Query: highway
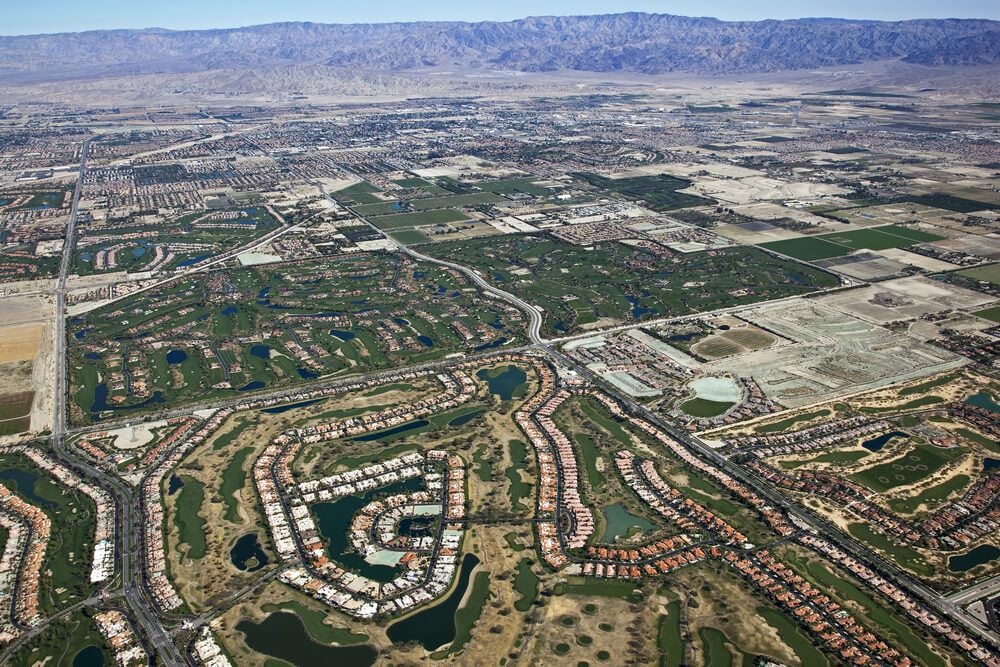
821, 526
129, 549
128, 519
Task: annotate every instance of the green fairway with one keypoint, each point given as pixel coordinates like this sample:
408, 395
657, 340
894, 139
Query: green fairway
518, 489
791, 635
574, 285
838, 244
930, 496
588, 451
596, 587
233, 479
278, 326
190, 525
669, 639
466, 617
61, 640
713, 645
526, 585
904, 556
918, 462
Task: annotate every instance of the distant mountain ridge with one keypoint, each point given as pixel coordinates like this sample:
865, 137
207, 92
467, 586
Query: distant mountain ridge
629, 42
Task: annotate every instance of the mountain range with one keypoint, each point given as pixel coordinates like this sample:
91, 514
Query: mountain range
628, 42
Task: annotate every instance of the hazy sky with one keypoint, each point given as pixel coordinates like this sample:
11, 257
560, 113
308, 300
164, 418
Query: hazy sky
18, 17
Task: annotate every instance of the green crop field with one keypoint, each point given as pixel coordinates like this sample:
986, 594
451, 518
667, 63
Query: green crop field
700, 407
382, 208
574, 285
989, 273
658, 193
359, 193
456, 201
430, 217
952, 203
409, 236
838, 244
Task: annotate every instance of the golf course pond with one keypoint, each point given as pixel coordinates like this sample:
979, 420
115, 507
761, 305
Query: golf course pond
504, 381
247, 554
334, 522
435, 626
282, 635
619, 522
90, 656
981, 555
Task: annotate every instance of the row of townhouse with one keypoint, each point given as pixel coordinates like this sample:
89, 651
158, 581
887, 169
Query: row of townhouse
206, 650
121, 639
838, 631
103, 563
988, 655
155, 560
425, 577
825, 436
773, 516
17, 534
35, 531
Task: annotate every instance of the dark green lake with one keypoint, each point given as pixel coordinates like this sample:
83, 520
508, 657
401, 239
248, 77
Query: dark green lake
984, 401
24, 481
334, 520
388, 433
434, 626
982, 554
505, 383
283, 636
91, 656
247, 554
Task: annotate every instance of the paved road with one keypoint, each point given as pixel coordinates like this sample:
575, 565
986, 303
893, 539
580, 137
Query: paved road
821, 526
131, 553
127, 516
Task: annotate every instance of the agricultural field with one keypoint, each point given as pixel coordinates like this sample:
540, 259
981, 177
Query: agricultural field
838, 244
20, 346
657, 193
255, 328
613, 283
